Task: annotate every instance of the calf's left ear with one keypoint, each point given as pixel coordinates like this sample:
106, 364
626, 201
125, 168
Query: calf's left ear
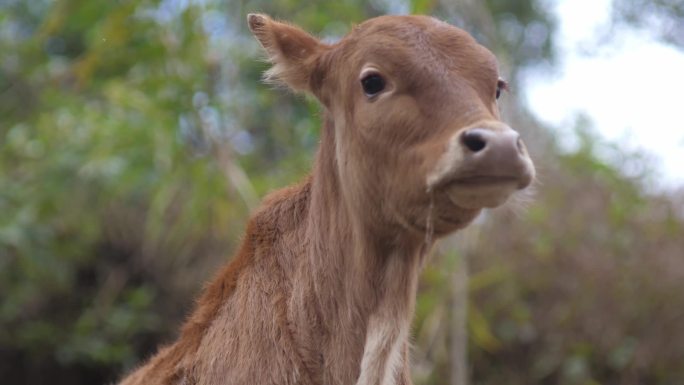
293, 52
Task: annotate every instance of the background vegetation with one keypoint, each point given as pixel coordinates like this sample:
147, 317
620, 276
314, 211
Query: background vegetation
135, 138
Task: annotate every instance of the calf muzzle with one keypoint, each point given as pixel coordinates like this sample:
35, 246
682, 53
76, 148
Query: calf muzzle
494, 155
482, 166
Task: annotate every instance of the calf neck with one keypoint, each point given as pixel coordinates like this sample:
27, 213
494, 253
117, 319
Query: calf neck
323, 287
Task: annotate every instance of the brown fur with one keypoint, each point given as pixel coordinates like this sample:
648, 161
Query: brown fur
323, 287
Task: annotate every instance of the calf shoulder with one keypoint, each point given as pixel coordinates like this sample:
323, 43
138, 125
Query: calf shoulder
239, 324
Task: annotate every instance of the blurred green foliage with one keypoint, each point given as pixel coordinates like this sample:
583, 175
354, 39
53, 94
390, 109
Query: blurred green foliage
136, 138
661, 18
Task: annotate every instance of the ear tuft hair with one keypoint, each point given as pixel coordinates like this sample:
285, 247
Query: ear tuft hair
256, 21
292, 51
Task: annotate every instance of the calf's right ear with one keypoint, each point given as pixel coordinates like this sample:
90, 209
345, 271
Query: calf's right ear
293, 52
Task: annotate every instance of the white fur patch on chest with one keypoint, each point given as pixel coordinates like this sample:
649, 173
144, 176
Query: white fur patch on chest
382, 356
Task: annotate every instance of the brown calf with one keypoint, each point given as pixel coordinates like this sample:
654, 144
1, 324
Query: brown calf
322, 290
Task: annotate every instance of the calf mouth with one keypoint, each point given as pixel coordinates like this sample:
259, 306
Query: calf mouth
483, 191
486, 180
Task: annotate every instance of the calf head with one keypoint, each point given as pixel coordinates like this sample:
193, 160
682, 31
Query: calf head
411, 104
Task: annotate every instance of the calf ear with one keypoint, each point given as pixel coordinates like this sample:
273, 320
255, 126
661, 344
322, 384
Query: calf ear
293, 52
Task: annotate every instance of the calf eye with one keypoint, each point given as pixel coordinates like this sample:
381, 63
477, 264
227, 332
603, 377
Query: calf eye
500, 85
372, 84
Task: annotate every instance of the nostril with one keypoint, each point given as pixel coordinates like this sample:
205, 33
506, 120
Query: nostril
473, 140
